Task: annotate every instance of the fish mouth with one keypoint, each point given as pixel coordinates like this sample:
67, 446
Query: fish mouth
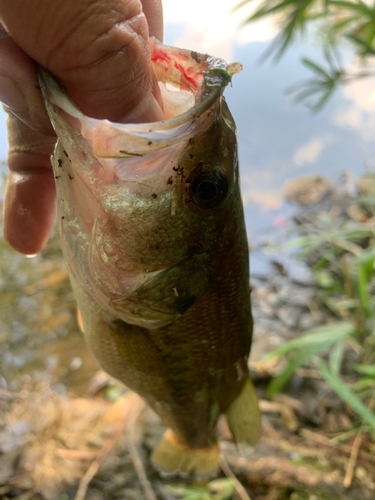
192, 82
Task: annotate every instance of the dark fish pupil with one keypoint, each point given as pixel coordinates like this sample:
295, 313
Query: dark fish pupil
209, 189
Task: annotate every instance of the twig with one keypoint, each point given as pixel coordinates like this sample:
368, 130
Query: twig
318, 438
309, 373
242, 493
94, 467
269, 406
76, 454
353, 459
355, 450
5, 394
134, 455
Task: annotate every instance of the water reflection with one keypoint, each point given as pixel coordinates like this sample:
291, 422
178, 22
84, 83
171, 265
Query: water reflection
39, 336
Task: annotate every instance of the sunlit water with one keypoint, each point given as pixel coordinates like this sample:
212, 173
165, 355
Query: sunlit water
39, 337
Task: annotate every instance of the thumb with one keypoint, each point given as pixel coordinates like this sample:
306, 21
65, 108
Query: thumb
98, 49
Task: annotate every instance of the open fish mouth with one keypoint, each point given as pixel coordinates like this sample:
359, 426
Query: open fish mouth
140, 205
190, 84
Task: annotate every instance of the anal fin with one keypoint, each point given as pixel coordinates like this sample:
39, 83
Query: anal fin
243, 417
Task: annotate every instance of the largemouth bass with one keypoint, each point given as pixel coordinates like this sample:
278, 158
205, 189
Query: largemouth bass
153, 233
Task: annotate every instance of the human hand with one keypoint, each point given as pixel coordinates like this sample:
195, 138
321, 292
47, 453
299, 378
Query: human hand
99, 50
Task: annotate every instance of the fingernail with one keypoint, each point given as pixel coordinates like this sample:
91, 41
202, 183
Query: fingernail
146, 112
11, 95
28, 108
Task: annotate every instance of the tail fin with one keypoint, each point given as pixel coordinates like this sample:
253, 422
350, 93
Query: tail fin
173, 457
243, 416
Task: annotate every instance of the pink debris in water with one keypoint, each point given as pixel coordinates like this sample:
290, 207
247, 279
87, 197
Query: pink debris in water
280, 220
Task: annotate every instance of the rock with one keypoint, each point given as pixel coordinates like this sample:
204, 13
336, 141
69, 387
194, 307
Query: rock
307, 190
289, 316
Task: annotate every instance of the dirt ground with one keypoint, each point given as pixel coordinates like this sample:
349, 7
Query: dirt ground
65, 448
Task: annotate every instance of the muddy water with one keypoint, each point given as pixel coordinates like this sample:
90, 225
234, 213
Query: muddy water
39, 337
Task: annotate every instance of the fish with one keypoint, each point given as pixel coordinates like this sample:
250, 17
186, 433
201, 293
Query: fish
153, 233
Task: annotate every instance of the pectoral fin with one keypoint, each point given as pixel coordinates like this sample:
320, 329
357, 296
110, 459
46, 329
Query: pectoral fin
163, 298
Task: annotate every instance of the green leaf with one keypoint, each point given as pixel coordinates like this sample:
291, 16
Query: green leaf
366, 48
342, 24
314, 67
304, 94
365, 263
345, 393
295, 15
336, 357
189, 492
264, 11
239, 6
366, 200
365, 369
221, 489
218, 489
364, 383
362, 8
354, 233
324, 278
278, 382
319, 105
339, 305
312, 241
367, 257
338, 20
306, 347
362, 284
317, 339
346, 245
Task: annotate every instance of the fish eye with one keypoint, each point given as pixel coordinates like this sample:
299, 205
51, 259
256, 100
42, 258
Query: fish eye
209, 189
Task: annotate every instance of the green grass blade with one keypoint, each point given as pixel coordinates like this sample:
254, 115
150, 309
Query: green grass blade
360, 7
365, 369
319, 105
314, 67
303, 95
320, 338
364, 383
366, 200
342, 24
278, 382
239, 6
366, 48
345, 393
367, 256
362, 284
336, 357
